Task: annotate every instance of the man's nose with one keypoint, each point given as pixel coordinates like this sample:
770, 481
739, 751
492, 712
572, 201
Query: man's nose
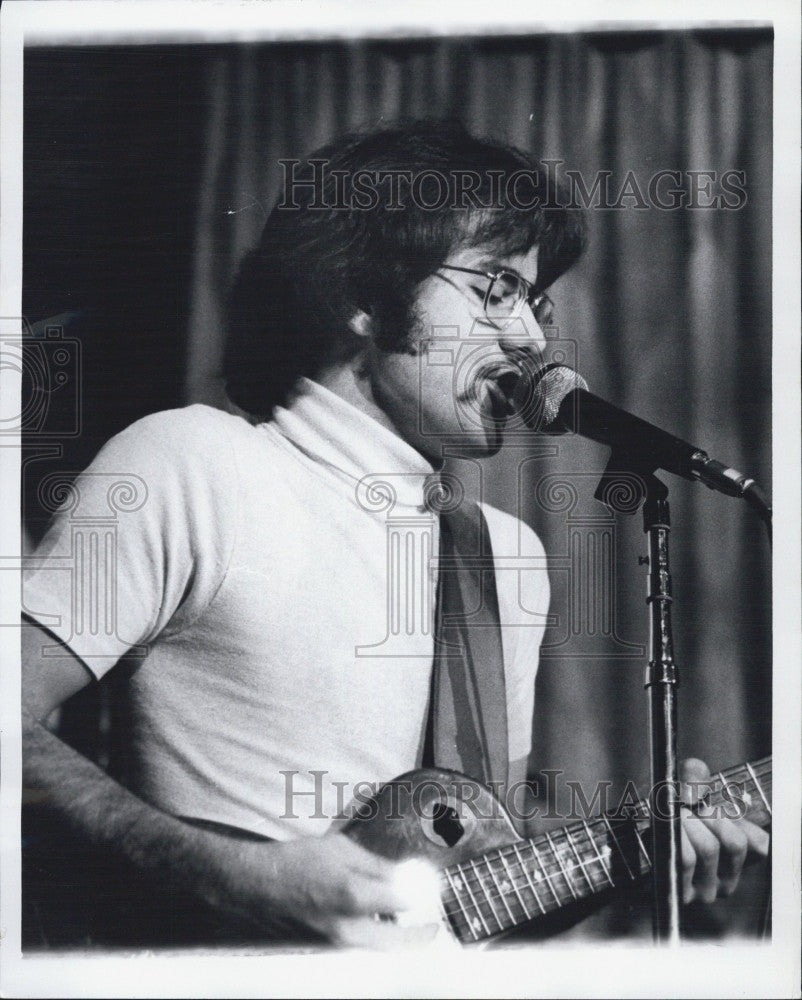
524, 333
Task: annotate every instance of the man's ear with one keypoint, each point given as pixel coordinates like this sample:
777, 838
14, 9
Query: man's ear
361, 323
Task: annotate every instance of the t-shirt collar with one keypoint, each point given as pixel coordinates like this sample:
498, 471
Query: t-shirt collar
331, 430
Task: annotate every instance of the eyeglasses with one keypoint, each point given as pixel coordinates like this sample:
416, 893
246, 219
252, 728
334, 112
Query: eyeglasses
506, 295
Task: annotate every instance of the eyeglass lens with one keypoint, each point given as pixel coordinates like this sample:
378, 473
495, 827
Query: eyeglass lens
508, 293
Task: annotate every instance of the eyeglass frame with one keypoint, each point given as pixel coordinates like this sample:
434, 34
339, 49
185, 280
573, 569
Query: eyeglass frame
532, 298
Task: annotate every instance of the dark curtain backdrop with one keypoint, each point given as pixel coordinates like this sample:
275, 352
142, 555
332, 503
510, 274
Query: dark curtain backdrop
670, 312
149, 171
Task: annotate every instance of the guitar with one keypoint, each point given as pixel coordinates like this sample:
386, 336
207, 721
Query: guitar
492, 880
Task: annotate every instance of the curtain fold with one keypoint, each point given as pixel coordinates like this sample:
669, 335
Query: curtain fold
669, 315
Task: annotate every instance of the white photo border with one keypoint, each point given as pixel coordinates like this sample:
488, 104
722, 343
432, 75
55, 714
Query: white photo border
769, 969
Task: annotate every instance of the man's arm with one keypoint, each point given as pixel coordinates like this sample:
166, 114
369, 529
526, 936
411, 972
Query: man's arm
327, 883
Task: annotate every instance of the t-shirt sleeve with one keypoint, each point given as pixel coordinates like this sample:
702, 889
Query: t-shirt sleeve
141, 540
523, 594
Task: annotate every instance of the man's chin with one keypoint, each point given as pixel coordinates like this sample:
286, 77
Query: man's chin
479, 445
472, 442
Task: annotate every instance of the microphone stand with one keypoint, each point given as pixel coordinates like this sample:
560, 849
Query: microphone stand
661, 683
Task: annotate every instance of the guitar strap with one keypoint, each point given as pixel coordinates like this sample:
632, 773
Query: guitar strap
467, 723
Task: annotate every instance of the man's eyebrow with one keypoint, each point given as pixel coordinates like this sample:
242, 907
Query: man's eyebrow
493, 265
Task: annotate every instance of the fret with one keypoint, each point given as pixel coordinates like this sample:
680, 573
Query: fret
556, 854
618, 845
486, 894
528, 878
582, 864
758, 772
599, 855
501, 891
546, 875
458, 896
449, 904
745, 796
718, 796
479, 913
642, 846
445, 913
517, 891
760, 790
765, 763
766, 774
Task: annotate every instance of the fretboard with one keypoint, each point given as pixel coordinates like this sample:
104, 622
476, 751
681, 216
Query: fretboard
512, 885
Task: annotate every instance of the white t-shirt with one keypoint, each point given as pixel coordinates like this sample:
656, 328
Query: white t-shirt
283, 597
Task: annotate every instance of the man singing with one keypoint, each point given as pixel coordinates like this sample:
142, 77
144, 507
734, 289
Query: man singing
397, 293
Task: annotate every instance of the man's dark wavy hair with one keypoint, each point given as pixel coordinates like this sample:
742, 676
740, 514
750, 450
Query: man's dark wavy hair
291, 303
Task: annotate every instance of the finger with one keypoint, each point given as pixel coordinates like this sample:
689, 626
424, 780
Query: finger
757, 839
706, 848
733, 846
688, 861
694, 777
411, 877
393, 888
418, 883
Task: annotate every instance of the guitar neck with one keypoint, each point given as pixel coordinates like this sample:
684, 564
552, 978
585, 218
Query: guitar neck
509, 886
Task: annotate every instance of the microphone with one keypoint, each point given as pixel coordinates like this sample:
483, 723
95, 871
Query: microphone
555, 399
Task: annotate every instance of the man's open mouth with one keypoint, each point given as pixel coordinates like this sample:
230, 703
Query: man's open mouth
500, 390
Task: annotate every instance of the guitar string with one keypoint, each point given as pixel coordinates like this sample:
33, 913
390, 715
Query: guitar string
550, 875
546, 873
558, 855
458, 899
527, 877
552, 872
582, 866
598, 854
558, 902
497, 884
484, 891
614, 839
578, 857
760, 790
511, 879
467, 884
501, 854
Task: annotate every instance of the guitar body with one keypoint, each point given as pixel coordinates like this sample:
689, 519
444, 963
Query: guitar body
441, 816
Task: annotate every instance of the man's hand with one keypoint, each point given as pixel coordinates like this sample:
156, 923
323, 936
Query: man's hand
338, 889
714, 847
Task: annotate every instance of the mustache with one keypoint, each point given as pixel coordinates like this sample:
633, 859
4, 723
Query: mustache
507, 372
